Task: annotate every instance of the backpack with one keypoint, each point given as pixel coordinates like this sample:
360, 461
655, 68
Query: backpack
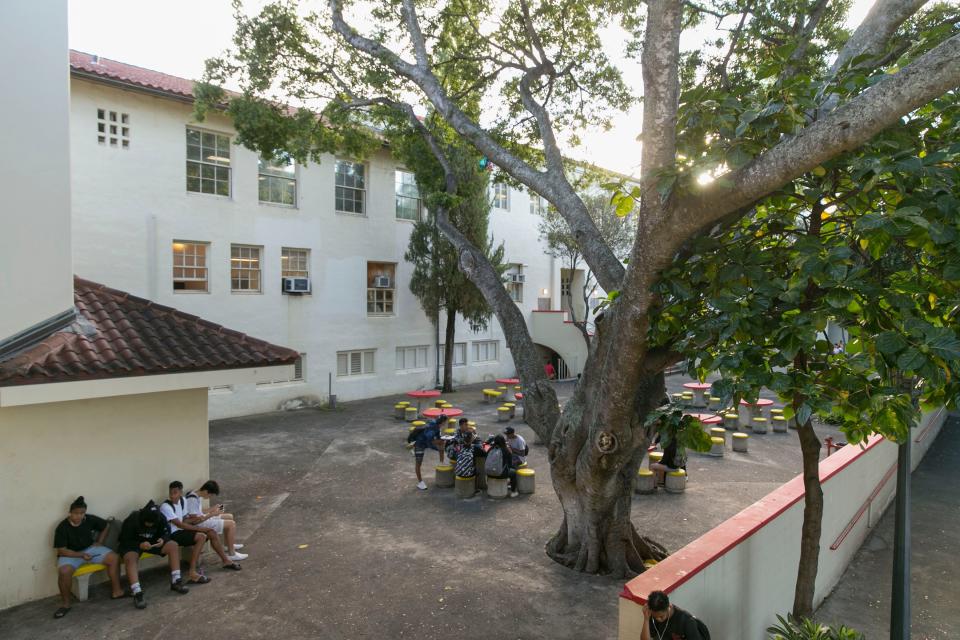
495, 464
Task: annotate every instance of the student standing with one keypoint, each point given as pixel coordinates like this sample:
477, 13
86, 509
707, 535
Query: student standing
427, 437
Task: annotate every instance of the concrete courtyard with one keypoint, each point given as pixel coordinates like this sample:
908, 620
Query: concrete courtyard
343, 546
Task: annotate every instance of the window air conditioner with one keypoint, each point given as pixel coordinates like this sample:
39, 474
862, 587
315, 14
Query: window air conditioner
296, 285
518, 277
381, 282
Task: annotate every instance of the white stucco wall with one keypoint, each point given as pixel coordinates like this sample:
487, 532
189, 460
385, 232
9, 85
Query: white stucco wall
116, 452
129, 205
36, 280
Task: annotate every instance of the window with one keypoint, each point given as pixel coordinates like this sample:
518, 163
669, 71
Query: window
208, 162
411, 358
515, 279
277, 181
485, 351
538, 206
565, 285
113, 127
381, 285
190, 266
501, 196
299, 366
245, 268
355, 363
294, 263
407, 196
459, 354
350, 187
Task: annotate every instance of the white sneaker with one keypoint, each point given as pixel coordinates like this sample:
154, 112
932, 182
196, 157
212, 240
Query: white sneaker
237, 557
238, 546
514, 494
421, 485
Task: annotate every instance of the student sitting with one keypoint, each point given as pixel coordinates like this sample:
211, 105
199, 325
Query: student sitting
213, 517
146, 530
518, 446
466, 456
499, 463
674, 457
78, 540
185, 534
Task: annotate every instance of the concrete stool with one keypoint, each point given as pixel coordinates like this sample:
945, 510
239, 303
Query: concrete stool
503, 414
656, 456
512, 407
740, 441
439, 402
465, 487
472, 425
479, 463
717, 447
649, 564
719, 432
526, 480
501, 389
449, 431
731, 421
776, 412
490, 395
676, 481
444, 478
399, 411
497, 487
410, 414
417, 423
518, 388
452, 422
759, 424
687, 397
677, 398
779, 424
714, 404
646, 482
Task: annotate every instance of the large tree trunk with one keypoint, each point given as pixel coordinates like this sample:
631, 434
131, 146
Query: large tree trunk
812, 520
448, 350
595, 486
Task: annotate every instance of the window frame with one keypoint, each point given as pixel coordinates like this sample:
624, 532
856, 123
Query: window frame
397, 196
496, 196
538, 204
259, 269
363, 360
202, 162
174, 266
515, 287
486, 344
364, 199
264, 171
456, 345
416, 356
392, 302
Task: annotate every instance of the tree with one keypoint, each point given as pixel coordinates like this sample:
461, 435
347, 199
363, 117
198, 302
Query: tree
437, 280
544, 69
617, 231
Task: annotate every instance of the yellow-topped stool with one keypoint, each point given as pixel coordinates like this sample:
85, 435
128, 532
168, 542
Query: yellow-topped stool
731, 421
740, 442
503, 414
717, 446
512, 407
676, 481
759, 424
526, 480
501, 389
449, 431
399, 411
779, 424
444, 476
439, 402
410, 414
465, 487
417, 423
718, 432
646, 482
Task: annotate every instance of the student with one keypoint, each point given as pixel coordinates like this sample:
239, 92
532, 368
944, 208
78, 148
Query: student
146, 531
459, 438
518, 446
185, 534
78, 540
550, 371
500, 456
662, 620
674, 457
423, 438
466, 456
213, 517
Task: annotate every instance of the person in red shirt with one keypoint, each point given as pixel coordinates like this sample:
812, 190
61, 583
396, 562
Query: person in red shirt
550, 371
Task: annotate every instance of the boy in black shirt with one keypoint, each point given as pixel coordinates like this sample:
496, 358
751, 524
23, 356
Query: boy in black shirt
78, 540
664, 621
146, 530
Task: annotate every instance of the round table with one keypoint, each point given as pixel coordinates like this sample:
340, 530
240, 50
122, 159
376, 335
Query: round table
423, 395
752, 408
508, 381
436, 413
698, 388
707, 418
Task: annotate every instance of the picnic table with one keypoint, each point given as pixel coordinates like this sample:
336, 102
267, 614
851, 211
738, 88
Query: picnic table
508, 381
423, 394
753, 407
449, 413
707, 418
699, 389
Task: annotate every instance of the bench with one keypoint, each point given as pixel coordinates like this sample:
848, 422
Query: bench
81, 577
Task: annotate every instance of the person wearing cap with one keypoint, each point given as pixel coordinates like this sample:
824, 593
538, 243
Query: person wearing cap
518, 446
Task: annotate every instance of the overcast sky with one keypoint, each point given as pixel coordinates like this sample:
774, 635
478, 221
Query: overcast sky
176, 36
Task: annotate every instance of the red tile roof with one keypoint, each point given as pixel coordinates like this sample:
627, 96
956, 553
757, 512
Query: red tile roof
120, 335
86, 63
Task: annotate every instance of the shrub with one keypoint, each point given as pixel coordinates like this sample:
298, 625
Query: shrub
806, 629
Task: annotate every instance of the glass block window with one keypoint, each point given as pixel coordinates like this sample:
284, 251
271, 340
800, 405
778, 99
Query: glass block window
208, 162
113, 128
277, 181
351, 185
245, 268
355, 363
190, 266
295, 263
407, 196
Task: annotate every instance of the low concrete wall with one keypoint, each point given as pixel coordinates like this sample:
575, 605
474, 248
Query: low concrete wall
740, 575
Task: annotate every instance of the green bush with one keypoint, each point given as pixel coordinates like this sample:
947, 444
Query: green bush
806, 629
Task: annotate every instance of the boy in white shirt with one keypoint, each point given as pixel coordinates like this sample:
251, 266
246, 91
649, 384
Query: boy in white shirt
213, 517
185, 534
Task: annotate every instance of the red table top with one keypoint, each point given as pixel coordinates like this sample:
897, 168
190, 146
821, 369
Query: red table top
426, 393
450, 413
761, 402
508, 380
699, 386
518, 396
707, 418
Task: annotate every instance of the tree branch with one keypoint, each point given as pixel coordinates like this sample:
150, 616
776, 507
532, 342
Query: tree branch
881, 22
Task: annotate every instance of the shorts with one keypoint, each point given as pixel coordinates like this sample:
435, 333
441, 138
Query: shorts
418, 452
183, 538
215, 523
98, 552
155, 551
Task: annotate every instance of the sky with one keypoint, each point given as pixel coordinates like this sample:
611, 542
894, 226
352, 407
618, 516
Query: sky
176, 36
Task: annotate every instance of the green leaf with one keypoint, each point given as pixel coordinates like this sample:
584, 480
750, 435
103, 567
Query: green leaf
911, 360
890, 343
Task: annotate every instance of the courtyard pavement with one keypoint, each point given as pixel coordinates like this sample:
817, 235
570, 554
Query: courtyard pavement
343, 546
862, 598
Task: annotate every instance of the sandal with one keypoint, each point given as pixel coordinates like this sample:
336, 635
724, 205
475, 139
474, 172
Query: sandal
62, 611
234, 566
200, 580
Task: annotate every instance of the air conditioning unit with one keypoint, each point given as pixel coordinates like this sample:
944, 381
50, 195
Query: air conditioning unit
381, 282
296, 285
518, 277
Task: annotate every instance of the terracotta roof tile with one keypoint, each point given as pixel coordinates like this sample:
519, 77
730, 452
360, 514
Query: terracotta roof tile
130, 74
118, 334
